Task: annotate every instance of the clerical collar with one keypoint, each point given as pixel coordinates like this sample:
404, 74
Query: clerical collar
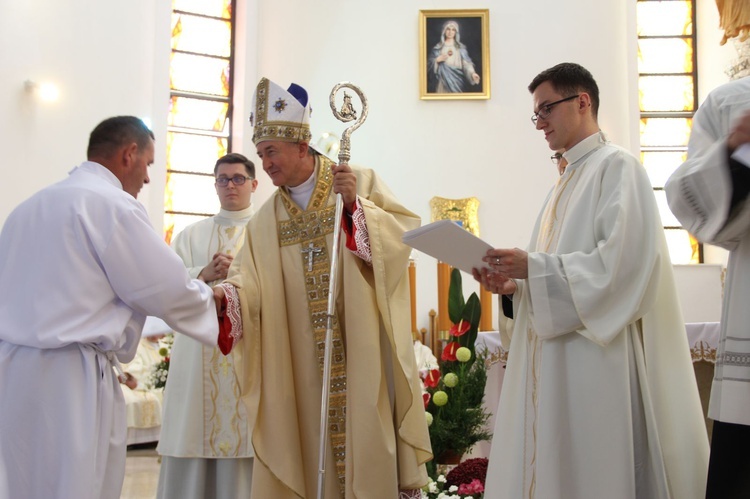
584, 147
238, 215
301, 194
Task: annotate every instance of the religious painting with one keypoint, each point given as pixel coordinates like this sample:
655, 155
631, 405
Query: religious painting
454, 54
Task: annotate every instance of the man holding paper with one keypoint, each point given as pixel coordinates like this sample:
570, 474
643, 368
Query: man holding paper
708, 195
599, 397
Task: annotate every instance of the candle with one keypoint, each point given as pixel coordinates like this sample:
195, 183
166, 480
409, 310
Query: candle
444, 279
485, 298
413, 298
433, 334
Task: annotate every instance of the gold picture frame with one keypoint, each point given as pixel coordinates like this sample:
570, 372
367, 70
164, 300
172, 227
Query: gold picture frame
454, 65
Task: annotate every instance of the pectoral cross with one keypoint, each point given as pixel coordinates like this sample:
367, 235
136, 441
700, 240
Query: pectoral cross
310, 253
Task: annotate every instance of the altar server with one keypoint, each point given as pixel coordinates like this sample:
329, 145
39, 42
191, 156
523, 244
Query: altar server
599, 398
709, 196
205, 440
82, 267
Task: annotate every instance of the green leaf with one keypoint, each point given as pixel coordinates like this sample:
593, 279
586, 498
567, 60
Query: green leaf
472, 310
472, 313
455, 297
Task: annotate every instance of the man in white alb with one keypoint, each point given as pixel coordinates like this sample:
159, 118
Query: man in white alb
82, 267
599, 398
205, 442
709, 196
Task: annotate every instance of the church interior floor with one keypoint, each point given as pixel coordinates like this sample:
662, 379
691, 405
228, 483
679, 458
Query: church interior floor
141, 472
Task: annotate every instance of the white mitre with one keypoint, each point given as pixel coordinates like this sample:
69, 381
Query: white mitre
280, 114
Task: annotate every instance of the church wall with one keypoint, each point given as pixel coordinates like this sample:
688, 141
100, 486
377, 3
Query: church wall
101, 56
111, 58
457, 148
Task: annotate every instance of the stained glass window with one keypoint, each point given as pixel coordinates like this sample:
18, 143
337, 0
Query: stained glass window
198, 114
665, 132
199, 74
668, 100
667, 18
665, 55
666, 93
201, 35
222, 9
199, 121
661, 164
195, 153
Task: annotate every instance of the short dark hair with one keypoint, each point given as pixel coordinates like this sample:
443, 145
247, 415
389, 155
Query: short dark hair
113, 133
569, 78
234, 157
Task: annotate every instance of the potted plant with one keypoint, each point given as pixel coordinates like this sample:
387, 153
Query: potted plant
454, 392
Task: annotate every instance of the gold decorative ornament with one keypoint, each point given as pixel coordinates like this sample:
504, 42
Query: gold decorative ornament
465, 211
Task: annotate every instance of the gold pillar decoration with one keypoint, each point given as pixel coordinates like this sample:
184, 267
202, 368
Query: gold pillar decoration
465, 211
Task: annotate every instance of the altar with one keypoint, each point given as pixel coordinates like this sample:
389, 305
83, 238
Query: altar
703, 339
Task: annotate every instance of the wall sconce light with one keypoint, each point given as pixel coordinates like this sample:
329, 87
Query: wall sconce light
47, 92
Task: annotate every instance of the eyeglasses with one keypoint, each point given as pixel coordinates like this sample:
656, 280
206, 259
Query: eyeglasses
236, 180
546, 109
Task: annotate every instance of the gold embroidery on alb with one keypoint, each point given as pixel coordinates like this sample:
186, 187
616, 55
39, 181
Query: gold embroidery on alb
549, 231
225, 419
308, 229
550, 218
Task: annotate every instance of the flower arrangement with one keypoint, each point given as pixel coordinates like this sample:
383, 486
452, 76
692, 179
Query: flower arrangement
158, 378
465, 481
454, 392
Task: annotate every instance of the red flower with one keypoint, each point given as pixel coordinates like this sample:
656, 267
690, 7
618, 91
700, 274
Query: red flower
460, 329
449, 352
432, 378
475, 487
426, 398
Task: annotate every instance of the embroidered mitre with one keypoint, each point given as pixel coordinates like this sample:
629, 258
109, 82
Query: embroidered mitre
280, 114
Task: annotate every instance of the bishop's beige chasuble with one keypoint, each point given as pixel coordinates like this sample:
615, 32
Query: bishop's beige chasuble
378, 436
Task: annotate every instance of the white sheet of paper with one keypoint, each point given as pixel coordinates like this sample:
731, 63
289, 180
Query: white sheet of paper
450, 243
742, 154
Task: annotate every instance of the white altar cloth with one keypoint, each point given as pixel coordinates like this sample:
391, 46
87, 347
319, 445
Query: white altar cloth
703, 338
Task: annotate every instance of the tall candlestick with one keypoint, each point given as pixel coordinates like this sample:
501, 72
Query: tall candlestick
441, 291
485, 299
433, 334
444, 279
413, 298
